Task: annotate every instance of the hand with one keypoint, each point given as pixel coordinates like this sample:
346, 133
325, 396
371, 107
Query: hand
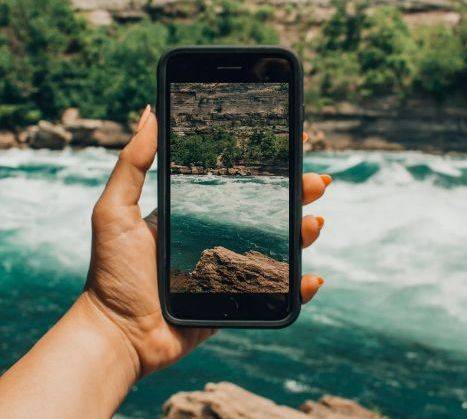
122, 276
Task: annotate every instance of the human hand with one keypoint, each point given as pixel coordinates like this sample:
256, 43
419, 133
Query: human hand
122, 280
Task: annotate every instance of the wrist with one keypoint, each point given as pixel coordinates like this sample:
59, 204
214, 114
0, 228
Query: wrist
121, 355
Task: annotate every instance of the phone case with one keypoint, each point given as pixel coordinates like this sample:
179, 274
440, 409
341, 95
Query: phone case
295, 177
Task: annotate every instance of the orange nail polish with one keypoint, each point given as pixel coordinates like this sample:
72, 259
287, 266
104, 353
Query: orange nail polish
320, 281
326, 179
320, 221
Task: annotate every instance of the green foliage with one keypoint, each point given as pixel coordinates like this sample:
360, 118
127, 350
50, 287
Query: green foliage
220, 148
39, 42
50, 59
265, 147
205, 150
361, 54
441, 61
365, 52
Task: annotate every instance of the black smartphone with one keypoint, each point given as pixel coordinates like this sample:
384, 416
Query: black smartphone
229, 186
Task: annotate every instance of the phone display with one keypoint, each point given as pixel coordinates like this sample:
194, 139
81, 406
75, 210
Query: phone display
229, 181
230, 178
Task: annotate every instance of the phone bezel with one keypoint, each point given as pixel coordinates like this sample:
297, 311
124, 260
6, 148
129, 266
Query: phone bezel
228, 57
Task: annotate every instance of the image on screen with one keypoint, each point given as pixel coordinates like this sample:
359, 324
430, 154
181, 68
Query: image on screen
229, 186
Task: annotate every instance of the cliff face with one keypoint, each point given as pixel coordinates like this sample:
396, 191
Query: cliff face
242, 108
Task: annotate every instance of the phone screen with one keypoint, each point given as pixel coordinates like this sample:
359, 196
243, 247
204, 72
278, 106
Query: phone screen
229, 165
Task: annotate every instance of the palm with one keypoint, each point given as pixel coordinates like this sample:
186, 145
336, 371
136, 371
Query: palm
122, 280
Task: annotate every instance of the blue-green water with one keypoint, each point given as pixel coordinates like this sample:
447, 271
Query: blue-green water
389, 328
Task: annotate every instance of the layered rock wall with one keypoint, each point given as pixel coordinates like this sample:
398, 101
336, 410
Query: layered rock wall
243, 108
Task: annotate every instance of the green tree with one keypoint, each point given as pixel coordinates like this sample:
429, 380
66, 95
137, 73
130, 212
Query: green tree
441, 64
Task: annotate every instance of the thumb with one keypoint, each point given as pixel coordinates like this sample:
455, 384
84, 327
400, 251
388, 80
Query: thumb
126, 181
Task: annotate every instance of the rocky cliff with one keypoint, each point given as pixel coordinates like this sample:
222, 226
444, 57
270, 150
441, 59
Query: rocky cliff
227, 401
222, 270
243, 108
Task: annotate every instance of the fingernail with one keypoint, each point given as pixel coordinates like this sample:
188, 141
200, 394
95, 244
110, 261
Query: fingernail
320, 281
144, 117
305, 137
326, 179
320, 221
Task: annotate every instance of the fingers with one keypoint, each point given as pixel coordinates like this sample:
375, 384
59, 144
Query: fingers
310, 286
305, 137
126, 181
313, 186
311, 227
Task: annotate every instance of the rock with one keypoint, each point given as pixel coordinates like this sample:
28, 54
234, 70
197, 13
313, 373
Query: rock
333, 407
228, 401
48, 135
7, 140
222, 270
110, 134
225, 401
96, 132
70, 116
197, 108
99, 17
82, 131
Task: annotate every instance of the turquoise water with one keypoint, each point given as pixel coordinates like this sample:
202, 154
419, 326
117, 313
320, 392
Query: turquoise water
388, 329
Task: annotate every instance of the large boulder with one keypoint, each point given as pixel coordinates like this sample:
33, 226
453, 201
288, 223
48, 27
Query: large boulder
222, 270
333, 407
94, 132
228, 401
111, 134
225, 401
48, 135
7, 140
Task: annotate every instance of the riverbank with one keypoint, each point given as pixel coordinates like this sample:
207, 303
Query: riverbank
421, 125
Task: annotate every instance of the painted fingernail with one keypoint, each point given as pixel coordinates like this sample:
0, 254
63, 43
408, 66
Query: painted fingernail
320, 281
320, 221
144, 117
326, 179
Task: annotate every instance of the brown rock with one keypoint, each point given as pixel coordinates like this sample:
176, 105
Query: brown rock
48, 135
110, 134
70, 116
99, 17
333, 407
82, 131
7, 140
222, 270
225, 401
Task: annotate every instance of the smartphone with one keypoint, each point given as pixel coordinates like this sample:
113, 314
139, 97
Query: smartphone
229, 186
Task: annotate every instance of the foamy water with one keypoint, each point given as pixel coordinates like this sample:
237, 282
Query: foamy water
393, 253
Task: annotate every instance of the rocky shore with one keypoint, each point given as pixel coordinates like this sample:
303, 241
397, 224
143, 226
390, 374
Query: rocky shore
260, 170
228, 401
72, 130
222, 270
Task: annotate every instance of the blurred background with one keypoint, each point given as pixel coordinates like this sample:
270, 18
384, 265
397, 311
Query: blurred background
386, 94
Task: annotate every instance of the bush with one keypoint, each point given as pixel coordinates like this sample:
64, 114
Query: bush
441, 61
39, 42
265, 147
361, 54
221, 147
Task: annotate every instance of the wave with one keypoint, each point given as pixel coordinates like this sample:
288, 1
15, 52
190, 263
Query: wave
392, 249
